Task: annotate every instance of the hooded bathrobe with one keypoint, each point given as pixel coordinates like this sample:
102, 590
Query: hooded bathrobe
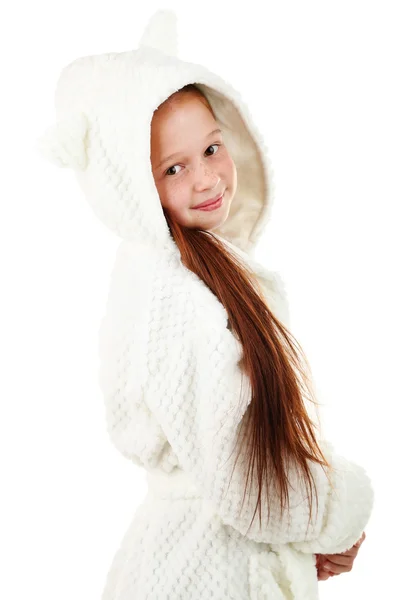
173, 390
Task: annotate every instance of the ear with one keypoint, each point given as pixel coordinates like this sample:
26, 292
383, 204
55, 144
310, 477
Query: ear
161, 32
64, 143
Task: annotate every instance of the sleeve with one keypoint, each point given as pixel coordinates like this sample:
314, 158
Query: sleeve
182, 363
346, 510
131, 426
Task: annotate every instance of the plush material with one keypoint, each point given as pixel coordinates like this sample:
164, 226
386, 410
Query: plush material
174, 393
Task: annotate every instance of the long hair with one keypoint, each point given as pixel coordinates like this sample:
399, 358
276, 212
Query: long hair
277, 427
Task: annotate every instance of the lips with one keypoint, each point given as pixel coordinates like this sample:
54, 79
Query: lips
207, 202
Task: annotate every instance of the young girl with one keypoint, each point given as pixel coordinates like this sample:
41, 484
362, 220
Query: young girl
204, 385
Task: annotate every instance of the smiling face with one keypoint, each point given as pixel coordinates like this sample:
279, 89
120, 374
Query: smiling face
200, 168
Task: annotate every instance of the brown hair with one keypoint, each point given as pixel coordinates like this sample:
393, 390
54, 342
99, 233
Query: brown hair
277, 425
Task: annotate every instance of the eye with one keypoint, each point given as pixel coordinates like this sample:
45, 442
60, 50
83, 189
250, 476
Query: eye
174, 166
217, 145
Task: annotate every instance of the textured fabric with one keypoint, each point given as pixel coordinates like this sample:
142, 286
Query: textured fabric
176, 413
169, 370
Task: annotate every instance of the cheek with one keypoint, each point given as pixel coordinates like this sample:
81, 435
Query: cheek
173, 196
230, 171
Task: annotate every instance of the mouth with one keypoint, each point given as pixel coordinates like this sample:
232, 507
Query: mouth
212, 203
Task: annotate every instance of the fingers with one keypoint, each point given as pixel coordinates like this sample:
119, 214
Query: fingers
360, 541
335, 568
323, 576
329, 565
338, 559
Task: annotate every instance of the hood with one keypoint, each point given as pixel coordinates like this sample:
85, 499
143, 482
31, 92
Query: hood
104, 106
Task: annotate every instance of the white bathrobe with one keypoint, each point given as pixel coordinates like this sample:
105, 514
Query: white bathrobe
173, 391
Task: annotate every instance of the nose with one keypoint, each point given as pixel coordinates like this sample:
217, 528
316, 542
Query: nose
205, 178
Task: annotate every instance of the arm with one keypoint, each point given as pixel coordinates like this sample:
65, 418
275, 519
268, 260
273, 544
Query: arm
196, 399
180, 364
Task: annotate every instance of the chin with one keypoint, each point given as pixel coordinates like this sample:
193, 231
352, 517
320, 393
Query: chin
215, 224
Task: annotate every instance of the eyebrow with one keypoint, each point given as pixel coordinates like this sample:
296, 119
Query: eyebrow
168, 158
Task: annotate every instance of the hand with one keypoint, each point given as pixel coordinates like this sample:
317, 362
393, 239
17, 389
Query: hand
329, 565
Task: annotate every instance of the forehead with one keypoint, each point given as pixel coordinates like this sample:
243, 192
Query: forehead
181, 128
181, 115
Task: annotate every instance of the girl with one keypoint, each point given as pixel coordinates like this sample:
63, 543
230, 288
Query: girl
204, 385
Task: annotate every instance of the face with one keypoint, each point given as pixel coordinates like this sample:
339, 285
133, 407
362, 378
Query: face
200, 167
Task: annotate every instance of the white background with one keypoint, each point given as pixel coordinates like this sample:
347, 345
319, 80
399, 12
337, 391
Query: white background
321, 79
